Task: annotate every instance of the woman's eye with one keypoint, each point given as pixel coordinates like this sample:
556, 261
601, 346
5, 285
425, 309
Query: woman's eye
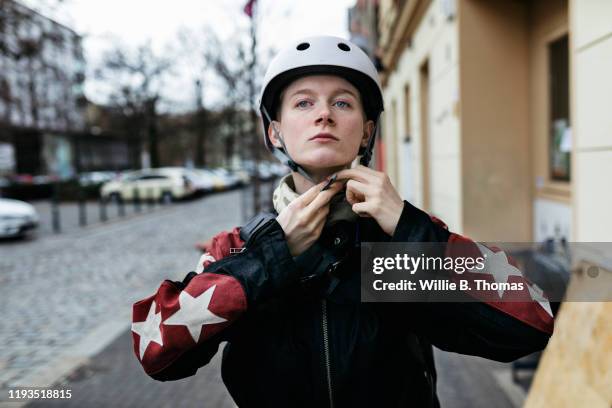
342, 104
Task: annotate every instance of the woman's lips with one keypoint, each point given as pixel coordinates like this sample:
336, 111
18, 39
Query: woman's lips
324, 137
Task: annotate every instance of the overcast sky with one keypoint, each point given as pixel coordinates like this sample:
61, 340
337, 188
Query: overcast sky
136, 21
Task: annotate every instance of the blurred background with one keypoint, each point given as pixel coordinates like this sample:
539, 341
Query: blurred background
129, 135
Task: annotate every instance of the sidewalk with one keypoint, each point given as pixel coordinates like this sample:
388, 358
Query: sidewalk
114, 378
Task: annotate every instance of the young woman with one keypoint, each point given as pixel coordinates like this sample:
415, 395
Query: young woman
288, 304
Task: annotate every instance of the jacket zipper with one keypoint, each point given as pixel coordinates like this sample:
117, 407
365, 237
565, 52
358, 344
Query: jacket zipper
326, 349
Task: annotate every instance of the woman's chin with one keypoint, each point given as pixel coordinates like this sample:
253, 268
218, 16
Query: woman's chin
324, 161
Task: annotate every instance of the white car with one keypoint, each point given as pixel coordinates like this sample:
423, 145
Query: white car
218, 182
17, 218
95, 177
165, 184
230, 180
203, 182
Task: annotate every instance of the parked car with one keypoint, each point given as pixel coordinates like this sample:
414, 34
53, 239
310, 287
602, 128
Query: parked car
96, 177
229, 179
279, 169
4, 182
263, 171
242, 175
17, 218
266, 171
165, 184
219, 183
202, 181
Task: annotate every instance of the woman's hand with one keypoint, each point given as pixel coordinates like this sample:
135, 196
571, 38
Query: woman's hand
371, 194
303, 219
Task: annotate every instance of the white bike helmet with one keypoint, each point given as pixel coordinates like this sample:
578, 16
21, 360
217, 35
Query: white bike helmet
320, 55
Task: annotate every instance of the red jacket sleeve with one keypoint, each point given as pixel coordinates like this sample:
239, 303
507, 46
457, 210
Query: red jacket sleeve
181, 315
502, 325
178, 329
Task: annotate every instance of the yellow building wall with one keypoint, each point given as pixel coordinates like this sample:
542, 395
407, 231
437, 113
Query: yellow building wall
435, 41
494, 86
576, 369
592, 111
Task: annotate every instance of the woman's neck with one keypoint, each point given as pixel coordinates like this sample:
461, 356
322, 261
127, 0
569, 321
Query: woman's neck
302, 184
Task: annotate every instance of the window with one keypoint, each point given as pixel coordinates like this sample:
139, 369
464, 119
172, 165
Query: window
560, 125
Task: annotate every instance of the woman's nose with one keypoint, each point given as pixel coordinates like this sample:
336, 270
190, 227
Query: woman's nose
324, 116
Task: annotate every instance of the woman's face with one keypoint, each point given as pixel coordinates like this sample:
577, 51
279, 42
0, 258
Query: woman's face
322, 122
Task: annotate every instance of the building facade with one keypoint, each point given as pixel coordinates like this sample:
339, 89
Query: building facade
497, 121
478, 122
42, 71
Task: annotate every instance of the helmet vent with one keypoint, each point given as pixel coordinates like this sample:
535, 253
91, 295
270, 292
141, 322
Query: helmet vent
344, 47
303, 46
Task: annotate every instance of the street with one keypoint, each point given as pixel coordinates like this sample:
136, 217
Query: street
67, 302
57, 290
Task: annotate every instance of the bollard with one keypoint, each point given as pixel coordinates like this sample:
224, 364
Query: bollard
55, 213
165, 197
82, 208
150, 199
136, 200
102, 207
120, 206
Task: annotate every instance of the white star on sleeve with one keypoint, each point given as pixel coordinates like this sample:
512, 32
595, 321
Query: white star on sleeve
204, 258
538, 295
148, 330
497, 265
194, 313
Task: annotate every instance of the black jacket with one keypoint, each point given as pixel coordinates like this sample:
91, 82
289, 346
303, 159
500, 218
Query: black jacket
298, 340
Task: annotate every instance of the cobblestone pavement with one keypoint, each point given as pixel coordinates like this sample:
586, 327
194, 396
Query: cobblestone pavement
56, 290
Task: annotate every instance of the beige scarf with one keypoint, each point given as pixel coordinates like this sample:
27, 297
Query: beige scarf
340, 209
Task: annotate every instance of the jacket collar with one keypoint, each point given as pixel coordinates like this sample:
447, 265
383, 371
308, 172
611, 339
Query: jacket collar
340, 209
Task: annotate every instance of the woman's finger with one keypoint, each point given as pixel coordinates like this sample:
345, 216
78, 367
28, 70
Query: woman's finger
354, 174
324, 197
359, 187
310, 194
368, 170
357, 192
354, 197
362, 209
320, 216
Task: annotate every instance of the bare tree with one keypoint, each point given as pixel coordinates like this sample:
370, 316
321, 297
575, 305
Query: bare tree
227, 62
136, 77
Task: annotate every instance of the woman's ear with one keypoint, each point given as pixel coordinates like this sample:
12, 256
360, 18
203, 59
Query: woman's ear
368, 128
272, 133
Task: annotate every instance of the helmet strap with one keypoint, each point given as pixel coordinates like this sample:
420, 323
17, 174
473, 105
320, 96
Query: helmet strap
283, 155
367, 154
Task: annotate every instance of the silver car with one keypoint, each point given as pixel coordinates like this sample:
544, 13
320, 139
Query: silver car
17, 218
